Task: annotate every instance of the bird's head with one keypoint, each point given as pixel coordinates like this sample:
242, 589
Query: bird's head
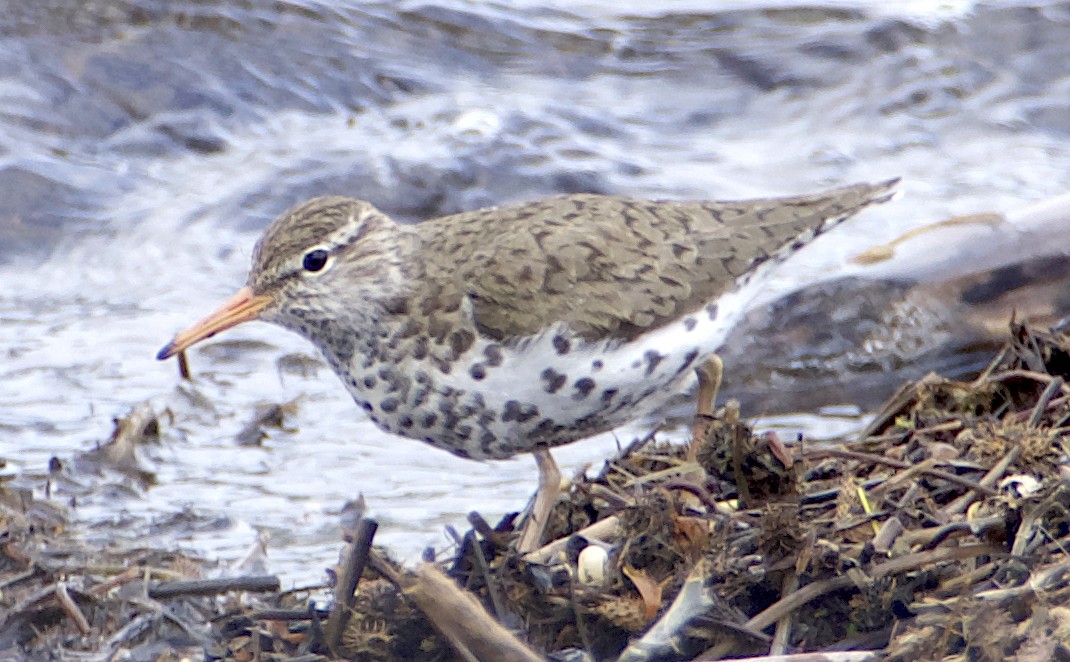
324, 260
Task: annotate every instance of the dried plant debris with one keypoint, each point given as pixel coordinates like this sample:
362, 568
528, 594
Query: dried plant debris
266, 416
122, 452
941, 532
59, 598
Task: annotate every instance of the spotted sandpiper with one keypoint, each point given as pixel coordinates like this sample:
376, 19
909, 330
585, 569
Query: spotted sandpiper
518, 328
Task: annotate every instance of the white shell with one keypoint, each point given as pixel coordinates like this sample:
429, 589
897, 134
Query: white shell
1022, 486
593, 566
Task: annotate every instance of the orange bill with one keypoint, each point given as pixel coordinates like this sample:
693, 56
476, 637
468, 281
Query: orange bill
242, 307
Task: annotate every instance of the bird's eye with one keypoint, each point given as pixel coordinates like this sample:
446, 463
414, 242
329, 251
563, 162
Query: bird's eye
315, 260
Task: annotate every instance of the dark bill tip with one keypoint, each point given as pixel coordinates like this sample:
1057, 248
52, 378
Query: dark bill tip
242, 307
167, 352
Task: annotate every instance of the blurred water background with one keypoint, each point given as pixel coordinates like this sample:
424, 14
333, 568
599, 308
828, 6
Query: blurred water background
144, 145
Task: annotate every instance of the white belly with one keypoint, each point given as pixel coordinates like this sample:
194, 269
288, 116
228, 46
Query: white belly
496, 401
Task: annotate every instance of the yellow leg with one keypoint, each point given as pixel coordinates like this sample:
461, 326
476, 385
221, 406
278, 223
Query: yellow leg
709, 383
545, 498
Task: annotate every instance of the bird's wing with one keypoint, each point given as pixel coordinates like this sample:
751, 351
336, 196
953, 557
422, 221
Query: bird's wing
612, 267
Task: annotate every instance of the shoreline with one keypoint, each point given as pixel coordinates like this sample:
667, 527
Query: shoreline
948, 511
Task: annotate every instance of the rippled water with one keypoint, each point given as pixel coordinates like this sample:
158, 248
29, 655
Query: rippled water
144, 145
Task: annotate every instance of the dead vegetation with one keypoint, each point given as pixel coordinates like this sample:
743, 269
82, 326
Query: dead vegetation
941, 532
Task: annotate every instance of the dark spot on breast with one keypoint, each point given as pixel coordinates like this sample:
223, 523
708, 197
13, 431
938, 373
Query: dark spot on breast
464, 431
486, 441
429, 419
561, 345
608, 395
549, 431
690, 323
711, 311
370, 381
652, 359
405, 422
449, 419
397, 306
443, 366
521, 413
624, 401
689, 358
478, 372
583, 387
554, 380
419, 350
390, 405
493, 352
422, 377
430, 301
486, 418
460, 341
438, 328
409, 328
419, 398
367, 406
597, 365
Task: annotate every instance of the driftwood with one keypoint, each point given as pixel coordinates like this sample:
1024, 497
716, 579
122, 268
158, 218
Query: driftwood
463, 621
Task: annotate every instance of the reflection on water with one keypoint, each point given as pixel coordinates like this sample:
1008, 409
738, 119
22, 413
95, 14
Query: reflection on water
145, 144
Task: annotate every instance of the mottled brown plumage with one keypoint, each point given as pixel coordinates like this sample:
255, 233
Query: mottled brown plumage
611, 266
509, 329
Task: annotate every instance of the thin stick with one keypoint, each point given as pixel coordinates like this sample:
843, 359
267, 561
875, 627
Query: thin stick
1041, 377
1042, 403
898, 464
183, 367
782, 634
488, 578
790, 603
253, 583
71, 608
604, 530
345, 590
993, 364
995, 473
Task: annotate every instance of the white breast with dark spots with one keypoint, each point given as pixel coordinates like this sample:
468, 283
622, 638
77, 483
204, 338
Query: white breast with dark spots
494, 401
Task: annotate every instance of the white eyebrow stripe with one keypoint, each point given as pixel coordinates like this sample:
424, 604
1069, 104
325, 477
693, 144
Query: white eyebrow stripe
347, 233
